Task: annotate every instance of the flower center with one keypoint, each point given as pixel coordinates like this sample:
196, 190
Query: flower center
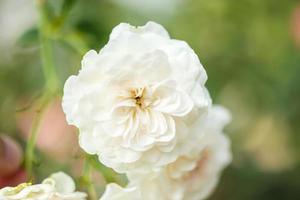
138, 95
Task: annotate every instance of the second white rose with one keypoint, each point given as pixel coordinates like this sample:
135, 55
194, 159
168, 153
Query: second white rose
192, 176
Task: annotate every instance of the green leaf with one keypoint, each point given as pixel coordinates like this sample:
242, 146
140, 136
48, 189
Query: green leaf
67, 6
29, 37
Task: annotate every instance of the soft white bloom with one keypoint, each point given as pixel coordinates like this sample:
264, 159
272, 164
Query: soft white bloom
115, 192
136, 98
58, 186
194, 175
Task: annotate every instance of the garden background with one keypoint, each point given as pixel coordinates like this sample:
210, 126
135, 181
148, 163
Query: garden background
249, 48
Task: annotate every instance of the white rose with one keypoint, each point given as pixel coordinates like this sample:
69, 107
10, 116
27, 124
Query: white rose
58, 186
136, 98
116, 192
195, 174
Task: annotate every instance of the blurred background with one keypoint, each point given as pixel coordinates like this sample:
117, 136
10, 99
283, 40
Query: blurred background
250, 49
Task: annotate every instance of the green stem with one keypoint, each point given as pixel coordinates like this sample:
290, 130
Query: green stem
51, 82
46, 47
29, 154
88, 181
